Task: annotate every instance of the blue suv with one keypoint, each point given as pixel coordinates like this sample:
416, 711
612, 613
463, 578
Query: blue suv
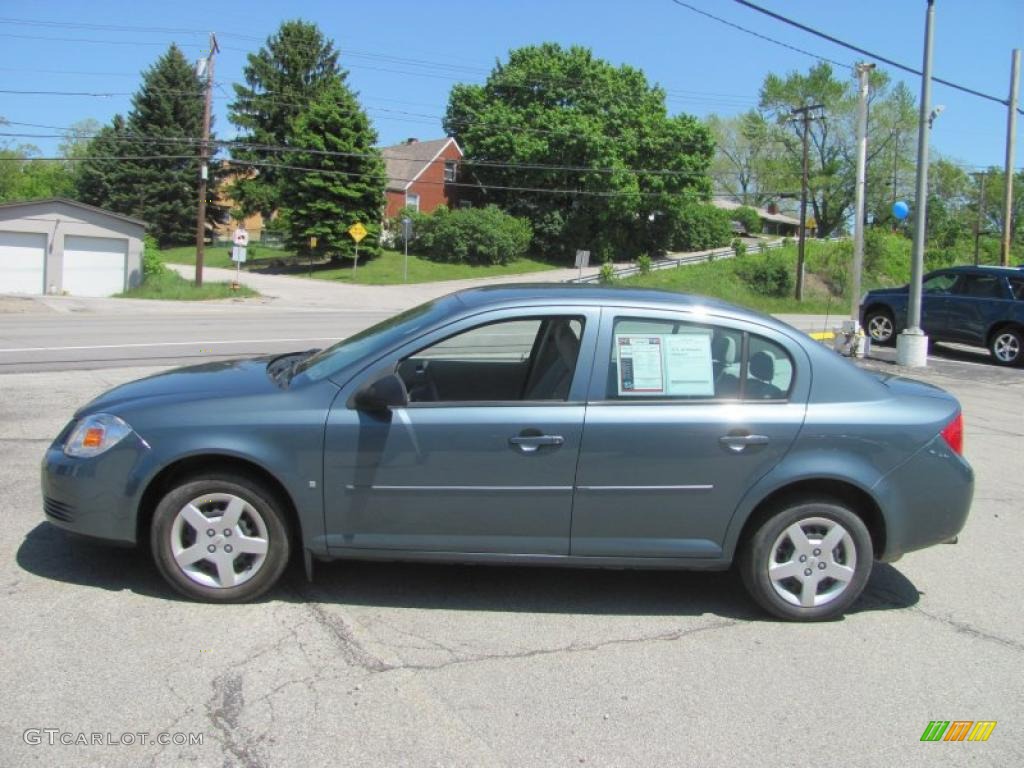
980, 306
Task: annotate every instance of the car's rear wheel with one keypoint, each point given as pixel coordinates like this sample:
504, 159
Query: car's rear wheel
880, 326
808, 561
1007, 346
220, 539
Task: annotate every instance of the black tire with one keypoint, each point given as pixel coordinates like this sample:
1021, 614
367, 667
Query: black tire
769, 541
260, 519
880, 326
1007, 346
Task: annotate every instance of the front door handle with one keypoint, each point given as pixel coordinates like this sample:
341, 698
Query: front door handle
737, 443
530, 443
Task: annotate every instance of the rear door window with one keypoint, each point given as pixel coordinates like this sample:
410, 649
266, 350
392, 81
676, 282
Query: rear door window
659, 359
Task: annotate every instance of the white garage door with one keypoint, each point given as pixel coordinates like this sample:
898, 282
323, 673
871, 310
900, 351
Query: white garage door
94, 266
22, 255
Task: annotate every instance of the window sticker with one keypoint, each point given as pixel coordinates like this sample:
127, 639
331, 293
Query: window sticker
688, 365
665, 364
640, 364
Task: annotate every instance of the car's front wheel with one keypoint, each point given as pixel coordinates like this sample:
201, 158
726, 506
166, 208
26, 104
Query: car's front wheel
220, 539
808, 561
1007, 347
880, 326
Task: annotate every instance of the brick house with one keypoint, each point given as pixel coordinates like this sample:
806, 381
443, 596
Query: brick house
421, 174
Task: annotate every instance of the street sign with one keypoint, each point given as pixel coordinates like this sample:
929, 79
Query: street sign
407, 228
238, 253
357, 231
240, 237
582, 259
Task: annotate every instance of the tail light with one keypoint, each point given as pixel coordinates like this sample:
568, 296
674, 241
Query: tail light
953, 434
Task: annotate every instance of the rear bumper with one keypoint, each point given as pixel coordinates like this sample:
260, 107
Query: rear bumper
926, 500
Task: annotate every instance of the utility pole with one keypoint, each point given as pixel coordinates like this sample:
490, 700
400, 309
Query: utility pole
1011, 139
863, 73
205, 67
805, 113
912, 344
981, 213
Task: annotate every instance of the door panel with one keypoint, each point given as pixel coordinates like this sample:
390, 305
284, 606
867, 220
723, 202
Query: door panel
657, 480
94, 266
22, 259
468, 466
441, 478
664, 466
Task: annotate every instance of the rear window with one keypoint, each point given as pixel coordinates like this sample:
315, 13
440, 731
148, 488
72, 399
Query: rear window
654, 359
1017, 288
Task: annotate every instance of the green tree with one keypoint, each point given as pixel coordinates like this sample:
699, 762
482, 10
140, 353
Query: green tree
599, 126
100, 178
345, 181
293, 68
25, 176
166, 116
832, 140
747, 155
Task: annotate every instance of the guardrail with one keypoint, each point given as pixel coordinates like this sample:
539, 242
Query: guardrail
692, 258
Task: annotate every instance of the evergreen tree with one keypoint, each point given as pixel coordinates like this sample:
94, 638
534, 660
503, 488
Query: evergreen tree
158, 181
282, 79
346, 180
101, 181
168, 107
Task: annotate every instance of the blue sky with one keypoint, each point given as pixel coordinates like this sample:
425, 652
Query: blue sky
403, 57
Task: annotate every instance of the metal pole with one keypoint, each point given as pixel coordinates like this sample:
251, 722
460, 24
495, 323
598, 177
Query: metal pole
1011, 140
355, 261
912, 344
405, 277
863, 71
204, 159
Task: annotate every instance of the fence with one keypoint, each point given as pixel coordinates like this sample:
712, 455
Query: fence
692, 258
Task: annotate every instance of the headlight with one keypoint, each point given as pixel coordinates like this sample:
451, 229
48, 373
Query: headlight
95, 434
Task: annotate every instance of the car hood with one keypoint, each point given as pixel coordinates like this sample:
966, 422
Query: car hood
229, 378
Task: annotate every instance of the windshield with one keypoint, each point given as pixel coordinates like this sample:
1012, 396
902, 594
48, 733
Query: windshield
376, 337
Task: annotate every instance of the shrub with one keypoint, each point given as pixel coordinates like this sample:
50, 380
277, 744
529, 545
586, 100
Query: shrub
152, 266
699, 227
768, 276
738, 247
474, 236
607, 273
748, 218
643, 263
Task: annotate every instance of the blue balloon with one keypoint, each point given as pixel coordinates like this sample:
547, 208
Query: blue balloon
900, 210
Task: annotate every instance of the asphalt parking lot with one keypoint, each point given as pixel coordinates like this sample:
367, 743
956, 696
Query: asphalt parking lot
390, 664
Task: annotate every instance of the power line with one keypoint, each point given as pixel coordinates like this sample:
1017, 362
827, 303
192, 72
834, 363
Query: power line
864, 51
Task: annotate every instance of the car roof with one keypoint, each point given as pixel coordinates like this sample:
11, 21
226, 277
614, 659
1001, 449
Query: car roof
589, 294
982, 268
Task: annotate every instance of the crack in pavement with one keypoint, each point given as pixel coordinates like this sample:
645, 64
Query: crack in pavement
224, 711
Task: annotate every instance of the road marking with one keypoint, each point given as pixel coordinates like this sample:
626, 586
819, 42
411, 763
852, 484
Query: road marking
166, 344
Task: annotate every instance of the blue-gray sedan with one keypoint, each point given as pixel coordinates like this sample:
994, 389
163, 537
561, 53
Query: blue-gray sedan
542, 425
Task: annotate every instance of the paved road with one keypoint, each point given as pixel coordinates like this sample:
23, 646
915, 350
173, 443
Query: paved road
388, 664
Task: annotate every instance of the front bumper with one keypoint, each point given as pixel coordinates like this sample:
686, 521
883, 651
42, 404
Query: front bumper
99, 496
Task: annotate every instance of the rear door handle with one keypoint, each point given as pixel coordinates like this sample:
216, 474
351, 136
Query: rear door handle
530, 443
737, 443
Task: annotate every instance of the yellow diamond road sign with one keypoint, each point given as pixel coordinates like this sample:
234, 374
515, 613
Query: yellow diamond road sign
357, 231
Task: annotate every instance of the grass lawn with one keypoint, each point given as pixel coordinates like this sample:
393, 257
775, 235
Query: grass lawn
173, 287
720, 279
387, 269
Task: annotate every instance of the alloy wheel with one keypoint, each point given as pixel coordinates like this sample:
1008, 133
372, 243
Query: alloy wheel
812, 562
880, 328
219, 540
1006, 347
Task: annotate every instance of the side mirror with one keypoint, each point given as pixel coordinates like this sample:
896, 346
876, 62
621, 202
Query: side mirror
381, 395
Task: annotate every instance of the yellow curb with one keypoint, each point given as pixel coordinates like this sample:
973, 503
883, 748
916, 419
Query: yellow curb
822, 335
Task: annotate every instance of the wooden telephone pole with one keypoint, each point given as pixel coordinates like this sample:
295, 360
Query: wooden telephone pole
805, 113
205, 68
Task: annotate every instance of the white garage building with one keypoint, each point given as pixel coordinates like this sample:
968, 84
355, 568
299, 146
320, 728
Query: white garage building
62, 246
